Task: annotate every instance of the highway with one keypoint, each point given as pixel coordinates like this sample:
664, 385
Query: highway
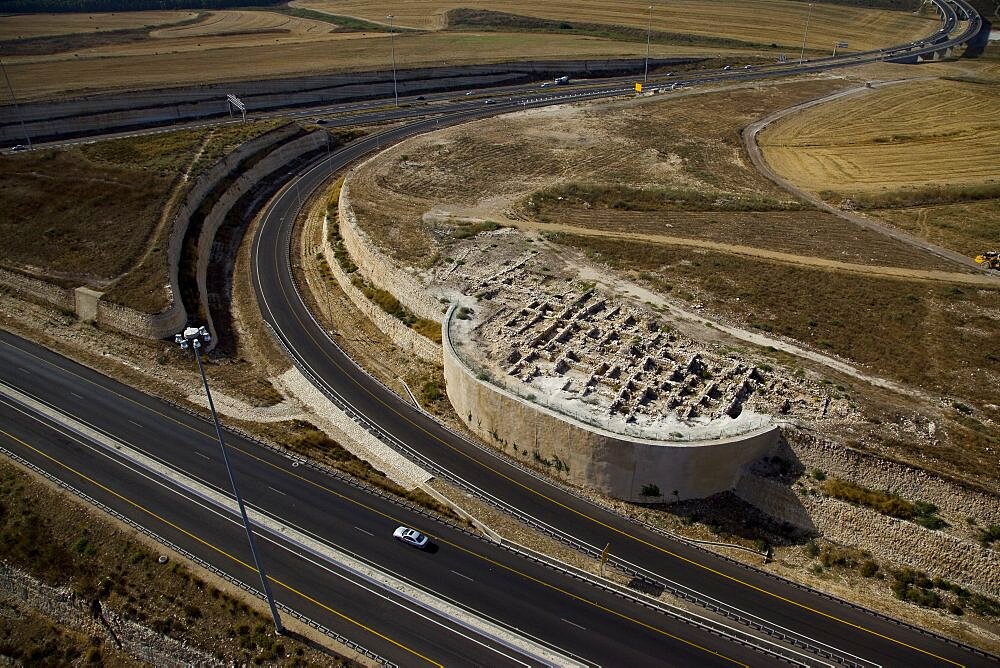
814, 617
573, 618
561, 613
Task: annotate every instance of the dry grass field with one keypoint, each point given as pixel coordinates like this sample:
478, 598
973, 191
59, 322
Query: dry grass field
669, 167
758, 21
239, 45
45, 76
26, 26
914, 134
89, 214
924, 156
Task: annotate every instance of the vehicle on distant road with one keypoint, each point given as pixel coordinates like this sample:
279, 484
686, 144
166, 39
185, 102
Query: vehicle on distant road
421, 97
489, 101
562, 80
411, 537
469, 93
728, 67
17, 148
546, 84
748, 67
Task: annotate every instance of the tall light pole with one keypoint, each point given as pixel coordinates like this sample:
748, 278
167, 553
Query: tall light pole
192, 337
17, 109
392, 49
805, 32
649, 28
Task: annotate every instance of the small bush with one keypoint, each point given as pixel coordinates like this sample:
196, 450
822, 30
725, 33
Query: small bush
650, 490
886, 503
868, 568
989, 535
811, 549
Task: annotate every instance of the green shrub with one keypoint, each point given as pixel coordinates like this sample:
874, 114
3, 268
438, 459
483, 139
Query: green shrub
650, 490
989, 535
886, 503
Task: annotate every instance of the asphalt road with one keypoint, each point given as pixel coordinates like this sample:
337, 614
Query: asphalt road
559, 611
780, 602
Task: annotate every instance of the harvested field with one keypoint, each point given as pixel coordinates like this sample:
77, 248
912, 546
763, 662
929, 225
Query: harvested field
26, 26
759, 21
914, 134
247, 23
37, 77
924, 156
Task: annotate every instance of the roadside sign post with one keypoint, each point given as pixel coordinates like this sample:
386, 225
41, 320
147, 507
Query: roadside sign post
839, 45
233, 101
638, 87
604, 553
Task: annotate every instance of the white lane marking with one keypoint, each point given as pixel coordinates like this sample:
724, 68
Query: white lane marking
582, 628
23, 370
202, 454
78, 396
136, 424
276, 490
462, 575
364, 531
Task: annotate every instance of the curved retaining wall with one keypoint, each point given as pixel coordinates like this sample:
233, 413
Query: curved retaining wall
378, 267
401, 335
585, 456
248, 180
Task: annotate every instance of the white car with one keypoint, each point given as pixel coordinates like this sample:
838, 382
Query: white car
411, 537
728, 67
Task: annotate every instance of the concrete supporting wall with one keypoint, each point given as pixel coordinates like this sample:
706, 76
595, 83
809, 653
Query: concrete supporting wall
376, 266
401, 336
248, 180
86, 303
38, 289
583, 455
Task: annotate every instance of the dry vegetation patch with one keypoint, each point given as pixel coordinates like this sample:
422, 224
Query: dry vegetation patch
90, 214
759, 21
27, 26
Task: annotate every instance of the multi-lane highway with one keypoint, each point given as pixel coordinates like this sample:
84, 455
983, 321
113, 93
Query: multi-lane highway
556, 613
159, 466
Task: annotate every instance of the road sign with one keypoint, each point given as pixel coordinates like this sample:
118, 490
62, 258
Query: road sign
842, 45
638, 87
782, 58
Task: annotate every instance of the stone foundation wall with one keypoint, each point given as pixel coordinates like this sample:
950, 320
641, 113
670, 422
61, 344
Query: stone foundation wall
584, 456
401, 336
378, 267
936, 552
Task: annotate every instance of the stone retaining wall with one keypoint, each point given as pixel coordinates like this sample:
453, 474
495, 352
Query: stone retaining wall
38, 289
244, 183
134, 639
586, 456
935, 552
955, 501
378, 267
401, 336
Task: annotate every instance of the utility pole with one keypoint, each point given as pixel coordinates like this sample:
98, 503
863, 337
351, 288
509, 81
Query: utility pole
392, 48
805, 33
17, 109
649, 28
193, 337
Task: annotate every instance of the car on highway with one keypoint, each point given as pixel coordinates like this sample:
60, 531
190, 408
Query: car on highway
17, 148
488, 101
469, 93
421, 97
748, 67
411, 537
727, 67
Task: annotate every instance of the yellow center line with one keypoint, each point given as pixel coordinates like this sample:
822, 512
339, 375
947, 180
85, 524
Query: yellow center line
217, 549
398, 520
600, 523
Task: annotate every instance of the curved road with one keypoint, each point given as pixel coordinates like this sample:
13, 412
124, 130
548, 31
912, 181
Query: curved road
815, 618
